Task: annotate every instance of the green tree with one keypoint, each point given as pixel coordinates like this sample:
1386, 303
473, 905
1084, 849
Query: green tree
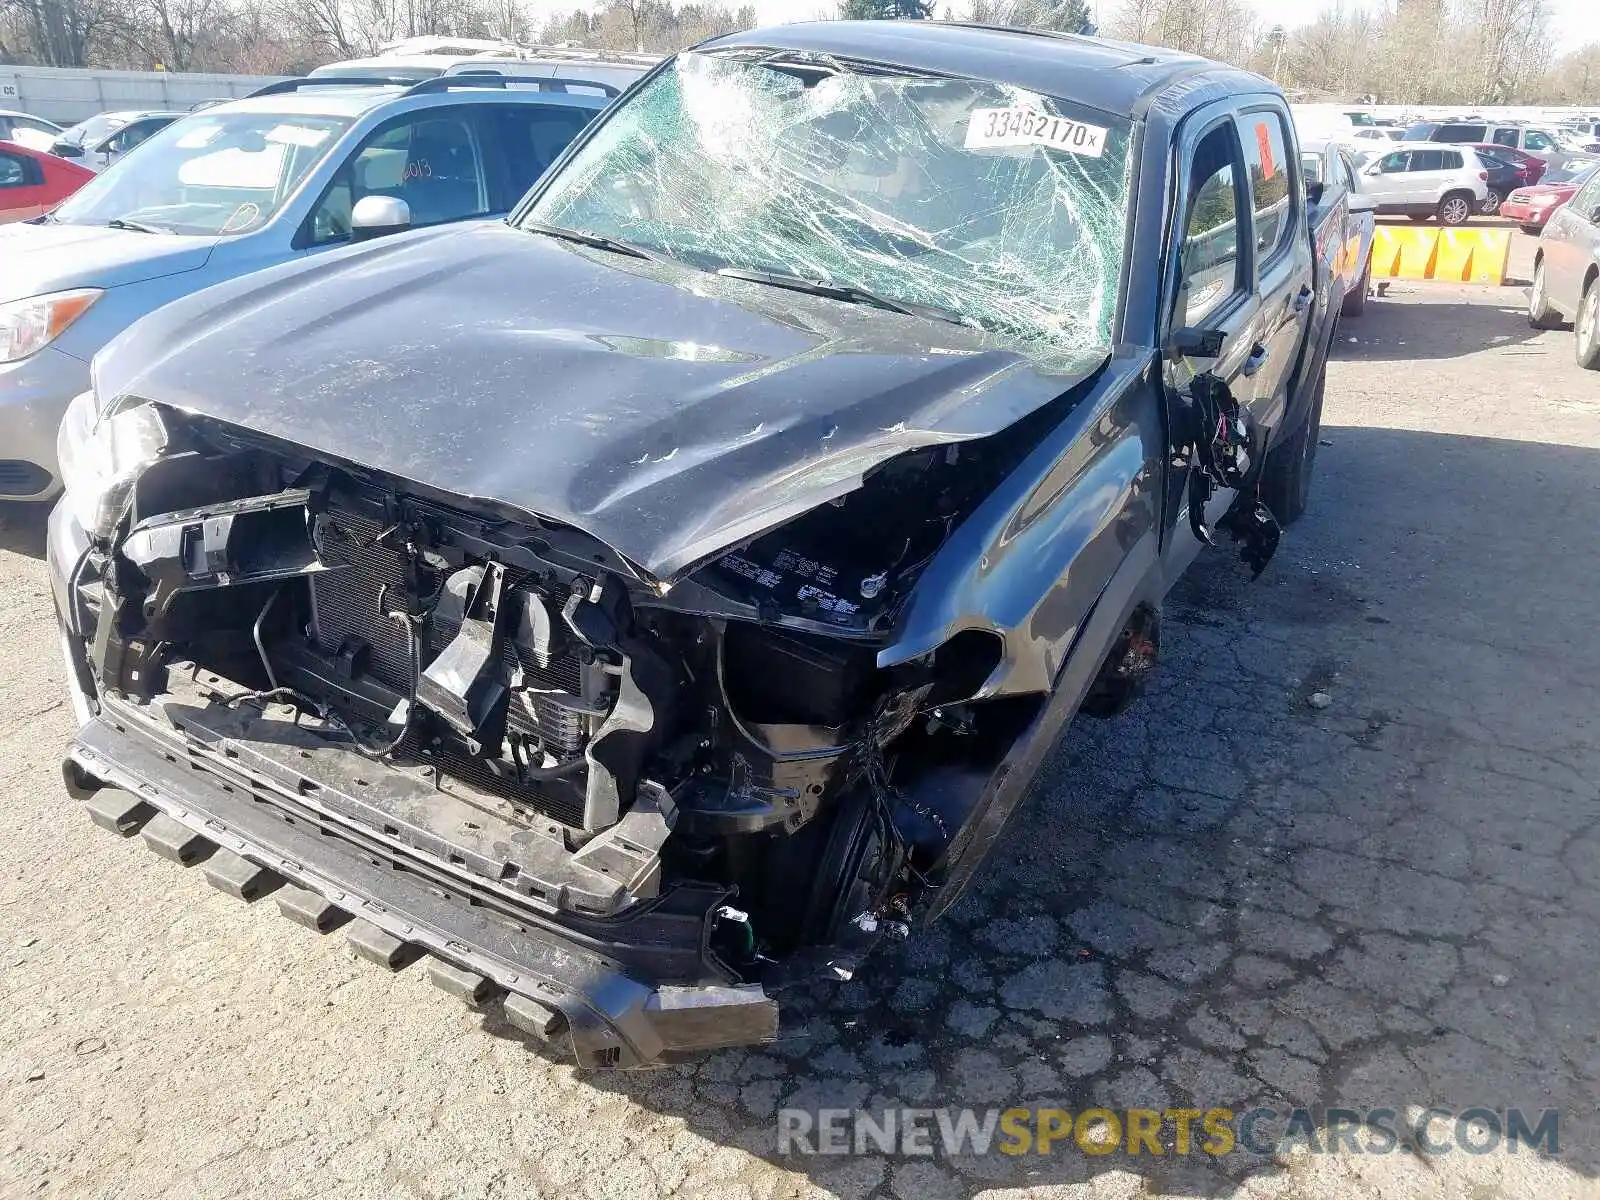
886, 10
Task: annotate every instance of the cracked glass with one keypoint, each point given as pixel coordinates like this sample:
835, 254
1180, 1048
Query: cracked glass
1000, 207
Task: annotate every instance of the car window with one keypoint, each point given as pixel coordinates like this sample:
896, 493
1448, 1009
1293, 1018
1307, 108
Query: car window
1505, 137
1418, 133
1347, 169
430, 161
1460, 133
1587, 198
210, 173
1007, 209
1212, 265
13, 171
1262, 135
532, 136
35, 126
1537, 141
1427, 160
1393, 164
1311, 167
1450, 160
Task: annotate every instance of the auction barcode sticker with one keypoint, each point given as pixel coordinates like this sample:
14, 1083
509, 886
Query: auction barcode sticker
1033, 127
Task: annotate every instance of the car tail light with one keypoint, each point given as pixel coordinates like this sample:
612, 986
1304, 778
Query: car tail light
1484, 175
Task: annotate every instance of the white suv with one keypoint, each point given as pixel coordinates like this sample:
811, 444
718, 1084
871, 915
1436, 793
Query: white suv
1426, 179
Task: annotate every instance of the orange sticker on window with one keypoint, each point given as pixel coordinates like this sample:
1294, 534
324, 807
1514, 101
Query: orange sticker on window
1269, 168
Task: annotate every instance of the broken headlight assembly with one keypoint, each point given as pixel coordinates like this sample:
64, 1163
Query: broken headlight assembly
28, 326
101, 456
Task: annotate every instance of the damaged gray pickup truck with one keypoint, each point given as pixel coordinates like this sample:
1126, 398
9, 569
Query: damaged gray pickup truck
649, 602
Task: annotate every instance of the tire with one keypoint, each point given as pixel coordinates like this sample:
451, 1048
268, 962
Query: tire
1540, 314
1419, 218
1533, 230
1455, 209
1355, 300
1490, 203
1586, 331
1286, 475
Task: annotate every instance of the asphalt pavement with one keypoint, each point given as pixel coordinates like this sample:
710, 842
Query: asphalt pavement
1232, 895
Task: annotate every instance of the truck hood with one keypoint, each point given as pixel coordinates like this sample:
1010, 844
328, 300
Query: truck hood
49, 258
666, 411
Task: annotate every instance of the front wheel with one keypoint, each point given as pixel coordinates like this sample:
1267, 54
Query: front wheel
1540, 314
1490, 204
1587, 343
1454, 209
1286, 475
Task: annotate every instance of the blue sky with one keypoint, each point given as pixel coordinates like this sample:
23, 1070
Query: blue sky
1575, 22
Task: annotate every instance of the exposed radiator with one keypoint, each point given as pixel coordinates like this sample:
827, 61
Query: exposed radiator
346, 604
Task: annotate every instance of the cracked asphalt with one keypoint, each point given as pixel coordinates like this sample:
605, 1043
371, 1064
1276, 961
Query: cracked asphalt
1227, 896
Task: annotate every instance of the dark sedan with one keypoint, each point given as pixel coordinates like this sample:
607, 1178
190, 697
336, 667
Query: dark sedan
1509, 169
1566, 272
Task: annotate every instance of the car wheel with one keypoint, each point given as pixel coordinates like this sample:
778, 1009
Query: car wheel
1587, 342
1540, 314
1490, 204
1454, 209
1419, 218
1533, 230
1355, 300
1286, 475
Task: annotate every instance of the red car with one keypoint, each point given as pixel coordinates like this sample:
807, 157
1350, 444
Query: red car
32, 182
1531, 207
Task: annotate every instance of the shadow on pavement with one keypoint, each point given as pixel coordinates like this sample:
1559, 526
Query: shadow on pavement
1433, 329
22, 527
1233, 897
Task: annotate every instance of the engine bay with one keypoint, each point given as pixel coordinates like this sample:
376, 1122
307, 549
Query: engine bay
604, 740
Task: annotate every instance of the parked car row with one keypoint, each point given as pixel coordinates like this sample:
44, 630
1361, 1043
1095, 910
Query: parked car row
287, 174
646, 604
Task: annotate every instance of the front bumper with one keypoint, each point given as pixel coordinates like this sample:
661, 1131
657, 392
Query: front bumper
1526, 214
34, 394
195, 797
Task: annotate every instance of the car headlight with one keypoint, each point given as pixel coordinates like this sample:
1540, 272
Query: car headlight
101, 456
28, 326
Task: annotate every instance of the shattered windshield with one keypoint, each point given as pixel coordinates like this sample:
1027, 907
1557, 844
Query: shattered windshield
1002, 207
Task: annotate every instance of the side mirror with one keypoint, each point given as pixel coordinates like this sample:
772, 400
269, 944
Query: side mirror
67, 150
1192, 342
375, 216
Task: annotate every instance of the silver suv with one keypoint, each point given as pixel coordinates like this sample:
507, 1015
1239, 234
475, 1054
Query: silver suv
1424, 181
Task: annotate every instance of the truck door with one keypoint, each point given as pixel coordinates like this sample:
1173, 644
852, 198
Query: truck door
1213, 315
1285, 276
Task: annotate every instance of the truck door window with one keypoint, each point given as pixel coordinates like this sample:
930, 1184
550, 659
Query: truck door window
1263, 137
1537, 141
1505, 137
1212, 265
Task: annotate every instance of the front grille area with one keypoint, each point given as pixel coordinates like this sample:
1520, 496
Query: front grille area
347, 608
19, 478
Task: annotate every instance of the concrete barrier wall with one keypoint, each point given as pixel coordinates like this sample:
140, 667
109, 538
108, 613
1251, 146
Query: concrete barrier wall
67, 96
1462, 255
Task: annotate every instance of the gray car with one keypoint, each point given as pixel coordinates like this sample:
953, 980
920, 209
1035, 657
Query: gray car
284, 174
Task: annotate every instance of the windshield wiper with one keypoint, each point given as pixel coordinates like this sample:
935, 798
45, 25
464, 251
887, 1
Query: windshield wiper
597, 240
136, 226
848, 292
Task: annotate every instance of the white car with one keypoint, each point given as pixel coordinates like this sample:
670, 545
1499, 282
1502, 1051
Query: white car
1424, 180
32, 132
1376, 135
103, 139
